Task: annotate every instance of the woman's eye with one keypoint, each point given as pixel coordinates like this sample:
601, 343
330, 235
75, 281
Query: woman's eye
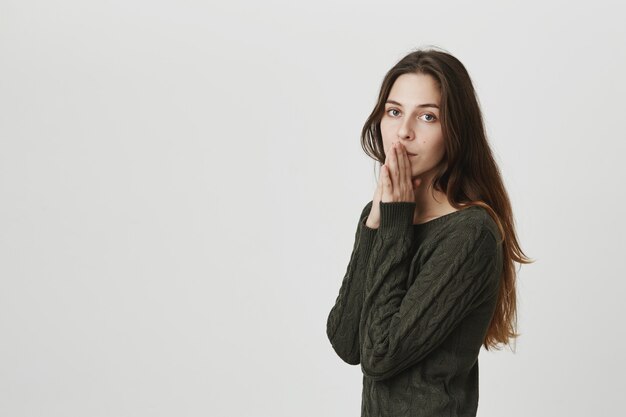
432, 117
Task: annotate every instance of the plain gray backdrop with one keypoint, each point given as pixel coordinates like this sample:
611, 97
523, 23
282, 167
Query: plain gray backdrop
181, 182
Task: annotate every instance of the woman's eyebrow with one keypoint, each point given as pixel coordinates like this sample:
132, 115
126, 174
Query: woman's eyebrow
418, 106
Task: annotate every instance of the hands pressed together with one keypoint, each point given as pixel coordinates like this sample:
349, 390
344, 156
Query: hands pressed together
394, 183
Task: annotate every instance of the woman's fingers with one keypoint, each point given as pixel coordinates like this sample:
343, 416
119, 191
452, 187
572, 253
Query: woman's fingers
403, 186
396, 175
379, 188
383, 178
393, 166
401, 154
387, 191
408, 174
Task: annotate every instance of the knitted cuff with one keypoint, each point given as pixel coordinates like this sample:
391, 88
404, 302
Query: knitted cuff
396, 216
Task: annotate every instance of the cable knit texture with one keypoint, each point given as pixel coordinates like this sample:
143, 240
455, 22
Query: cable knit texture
414, 307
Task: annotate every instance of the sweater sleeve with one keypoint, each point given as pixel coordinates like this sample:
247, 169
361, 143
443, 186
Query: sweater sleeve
342, 325
399, 326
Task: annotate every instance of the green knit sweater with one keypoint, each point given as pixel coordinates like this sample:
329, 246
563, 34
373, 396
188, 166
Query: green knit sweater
414, 307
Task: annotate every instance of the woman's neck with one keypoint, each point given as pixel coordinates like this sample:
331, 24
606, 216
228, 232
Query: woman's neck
430, 203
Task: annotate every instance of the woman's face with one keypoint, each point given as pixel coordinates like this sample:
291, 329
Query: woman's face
412, 117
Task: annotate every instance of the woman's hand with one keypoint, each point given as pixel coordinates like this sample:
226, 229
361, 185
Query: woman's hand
397, 185
394, 183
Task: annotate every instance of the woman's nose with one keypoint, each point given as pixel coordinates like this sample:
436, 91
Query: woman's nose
405, 132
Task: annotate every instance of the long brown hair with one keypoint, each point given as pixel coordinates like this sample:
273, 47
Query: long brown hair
469, 175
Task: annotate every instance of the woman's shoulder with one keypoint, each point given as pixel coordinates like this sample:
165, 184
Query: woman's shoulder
473, 220
469, 223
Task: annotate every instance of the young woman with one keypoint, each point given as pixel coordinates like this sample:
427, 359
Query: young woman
431, 277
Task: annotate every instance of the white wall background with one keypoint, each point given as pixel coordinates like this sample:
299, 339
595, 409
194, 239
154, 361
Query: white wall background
181, 181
